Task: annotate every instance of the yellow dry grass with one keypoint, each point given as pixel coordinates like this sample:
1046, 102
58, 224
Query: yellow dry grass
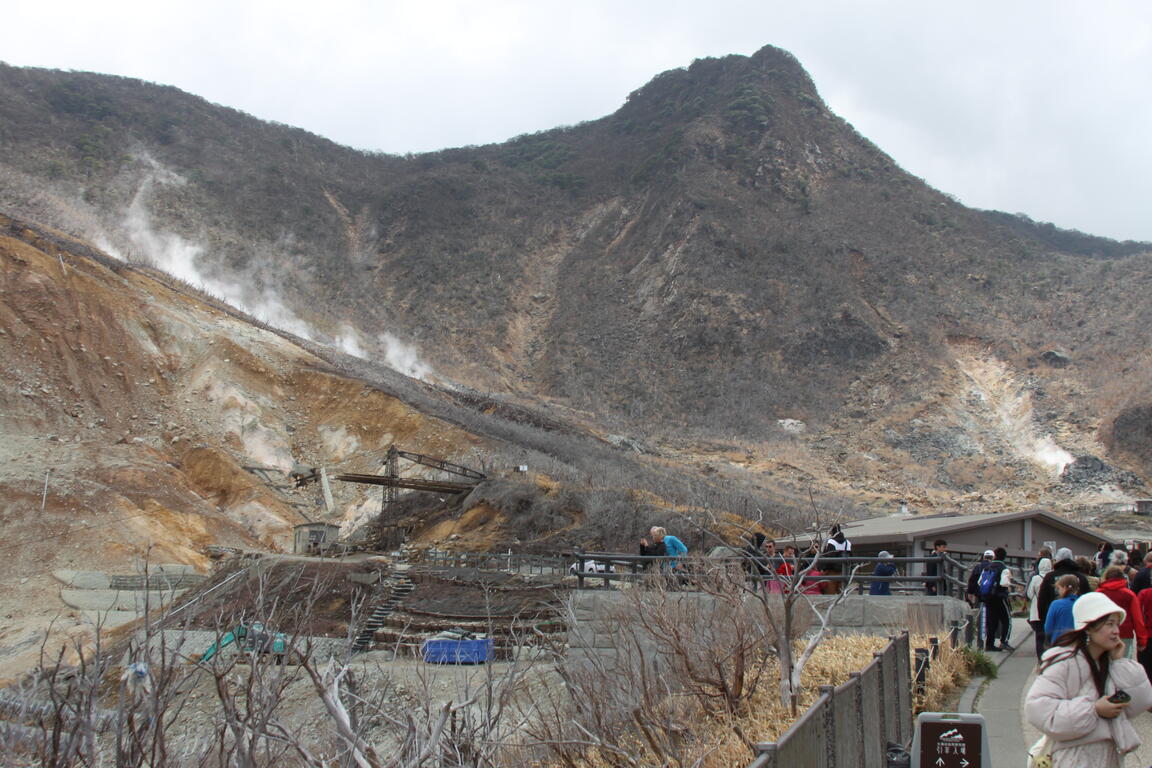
948, 674
720, 742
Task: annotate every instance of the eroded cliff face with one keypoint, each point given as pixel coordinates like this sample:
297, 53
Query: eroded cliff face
129, 413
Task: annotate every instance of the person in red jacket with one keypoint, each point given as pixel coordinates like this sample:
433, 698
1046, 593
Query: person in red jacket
1114, 584
1144, 598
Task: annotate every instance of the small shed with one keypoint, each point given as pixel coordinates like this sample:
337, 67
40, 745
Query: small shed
1021, 533
309, 537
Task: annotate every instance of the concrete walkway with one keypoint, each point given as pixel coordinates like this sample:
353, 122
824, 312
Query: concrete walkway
1001, 701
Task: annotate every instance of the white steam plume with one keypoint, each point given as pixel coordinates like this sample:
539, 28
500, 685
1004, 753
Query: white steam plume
350, 342
178, 257
403, 357
1010, 406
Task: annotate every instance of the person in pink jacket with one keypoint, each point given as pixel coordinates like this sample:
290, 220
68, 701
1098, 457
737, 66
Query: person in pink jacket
1086, 689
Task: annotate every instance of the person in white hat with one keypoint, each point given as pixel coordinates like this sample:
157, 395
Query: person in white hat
1085, 690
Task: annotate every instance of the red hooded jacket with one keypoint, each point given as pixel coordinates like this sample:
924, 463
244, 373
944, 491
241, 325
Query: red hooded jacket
1133, 626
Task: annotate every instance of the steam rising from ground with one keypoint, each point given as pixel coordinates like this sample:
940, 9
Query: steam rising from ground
402, 357
1009, 404
178, 257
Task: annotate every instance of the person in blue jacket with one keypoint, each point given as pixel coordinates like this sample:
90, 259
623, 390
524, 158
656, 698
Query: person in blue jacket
673, 547
1059, 619
883, 568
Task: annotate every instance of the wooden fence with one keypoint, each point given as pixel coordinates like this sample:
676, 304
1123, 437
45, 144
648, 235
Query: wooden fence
850, 725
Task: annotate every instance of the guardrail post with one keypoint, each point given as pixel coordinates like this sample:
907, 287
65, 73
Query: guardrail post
858, 705
954, 634
881, 699
826, 697
934, 645
904, 717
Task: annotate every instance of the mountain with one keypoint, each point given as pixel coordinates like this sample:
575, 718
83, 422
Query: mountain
719, 253
718, 299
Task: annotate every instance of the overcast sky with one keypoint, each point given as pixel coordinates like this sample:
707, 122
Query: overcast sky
1038, 106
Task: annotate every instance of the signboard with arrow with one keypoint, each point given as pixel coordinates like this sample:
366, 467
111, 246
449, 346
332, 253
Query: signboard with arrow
950, 740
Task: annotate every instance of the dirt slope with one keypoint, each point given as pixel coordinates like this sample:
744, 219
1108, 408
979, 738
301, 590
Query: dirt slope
128, 412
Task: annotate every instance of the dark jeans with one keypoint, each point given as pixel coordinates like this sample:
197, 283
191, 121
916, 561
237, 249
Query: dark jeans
997, 612
1038, 634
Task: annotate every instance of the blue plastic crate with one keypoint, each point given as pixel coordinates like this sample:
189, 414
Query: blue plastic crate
457, 651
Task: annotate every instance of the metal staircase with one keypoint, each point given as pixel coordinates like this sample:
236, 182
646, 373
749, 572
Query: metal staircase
402, 586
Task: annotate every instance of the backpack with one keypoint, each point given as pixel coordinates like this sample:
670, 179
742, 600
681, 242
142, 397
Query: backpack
989, 581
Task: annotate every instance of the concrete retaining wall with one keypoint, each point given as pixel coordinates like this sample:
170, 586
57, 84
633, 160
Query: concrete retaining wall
117, 600
879, 615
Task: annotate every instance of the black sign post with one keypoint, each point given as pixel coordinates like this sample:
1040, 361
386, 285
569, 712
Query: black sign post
950, 740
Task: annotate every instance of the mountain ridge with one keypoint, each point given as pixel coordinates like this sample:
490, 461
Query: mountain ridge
718, 255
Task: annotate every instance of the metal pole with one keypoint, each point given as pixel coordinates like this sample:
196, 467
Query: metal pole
858, 706
44, 496
923, 661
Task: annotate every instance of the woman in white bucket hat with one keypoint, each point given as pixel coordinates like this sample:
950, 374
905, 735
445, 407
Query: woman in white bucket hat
1085, 691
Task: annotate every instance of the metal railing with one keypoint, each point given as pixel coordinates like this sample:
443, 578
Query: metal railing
850, 725
611, 566
500, 561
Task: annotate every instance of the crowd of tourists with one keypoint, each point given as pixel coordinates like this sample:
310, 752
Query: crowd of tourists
1090, 616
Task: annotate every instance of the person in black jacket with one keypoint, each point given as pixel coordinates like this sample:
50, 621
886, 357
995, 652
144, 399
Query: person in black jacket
995, 600
1064, 563
836, 547
971, 592
651, 548
1143, 577
935, 568
756, 560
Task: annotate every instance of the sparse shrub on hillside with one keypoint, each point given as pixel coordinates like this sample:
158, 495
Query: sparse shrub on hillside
674, 665
750, 110
538, 151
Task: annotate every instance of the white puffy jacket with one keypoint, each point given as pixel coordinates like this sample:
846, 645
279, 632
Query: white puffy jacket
1062, 699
